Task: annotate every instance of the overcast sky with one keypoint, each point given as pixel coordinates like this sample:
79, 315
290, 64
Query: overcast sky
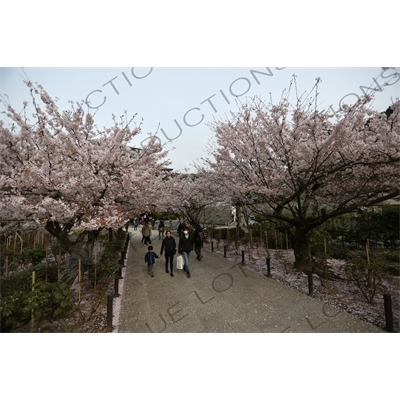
180, 103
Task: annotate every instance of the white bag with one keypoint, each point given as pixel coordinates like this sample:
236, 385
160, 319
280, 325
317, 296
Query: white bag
179, 262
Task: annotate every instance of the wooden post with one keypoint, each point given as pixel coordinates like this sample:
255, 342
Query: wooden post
266, 240
59, 263
47, 262
6, 266
325, 246
242, 257
387, 298
310, 283
251, 237
109, 312
369, 269
95, 268
276, 240
280, 235
33, 311
116, 285
79, 281
287, 242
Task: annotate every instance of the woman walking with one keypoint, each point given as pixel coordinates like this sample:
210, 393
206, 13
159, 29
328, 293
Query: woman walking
146, 232
161, 228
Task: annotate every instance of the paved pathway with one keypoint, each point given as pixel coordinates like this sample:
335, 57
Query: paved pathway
220, 296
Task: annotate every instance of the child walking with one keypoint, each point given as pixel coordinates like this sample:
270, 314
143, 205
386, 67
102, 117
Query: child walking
150, 260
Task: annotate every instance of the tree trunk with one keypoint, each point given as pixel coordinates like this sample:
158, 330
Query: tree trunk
121, 234
77, 251
80, 249
302, 252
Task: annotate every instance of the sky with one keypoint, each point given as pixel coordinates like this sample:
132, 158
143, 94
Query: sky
180, 104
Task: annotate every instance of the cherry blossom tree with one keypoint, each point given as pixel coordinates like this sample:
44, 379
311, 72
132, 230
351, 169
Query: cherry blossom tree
60, 170
299, 166
192, 196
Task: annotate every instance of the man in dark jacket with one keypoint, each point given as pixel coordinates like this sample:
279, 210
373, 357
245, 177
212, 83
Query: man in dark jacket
186, 242
198, 241
169, 245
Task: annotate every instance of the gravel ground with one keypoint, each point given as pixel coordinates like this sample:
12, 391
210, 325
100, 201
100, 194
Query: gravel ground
340, 294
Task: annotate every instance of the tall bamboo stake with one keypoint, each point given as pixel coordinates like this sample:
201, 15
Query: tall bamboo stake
287, 242
369, 269
280, 235
276, 239
79, 281
6, 266
59, 263
325, 246
95, 269
33, 310
266, 239
47, 263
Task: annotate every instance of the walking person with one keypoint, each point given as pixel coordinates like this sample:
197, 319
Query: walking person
198, 241
186, 243
179, 230
161, 228
169, 245
146, 232
150, 260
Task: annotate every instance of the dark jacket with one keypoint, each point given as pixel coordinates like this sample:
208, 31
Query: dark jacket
198, 236
186, 244
169, 245
150, 257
